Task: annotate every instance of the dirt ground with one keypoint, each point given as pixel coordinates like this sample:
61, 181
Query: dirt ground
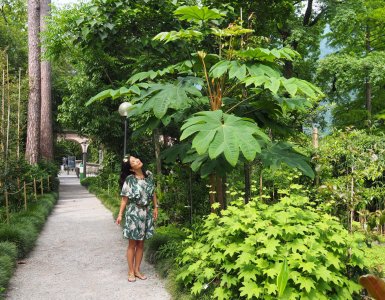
80, 254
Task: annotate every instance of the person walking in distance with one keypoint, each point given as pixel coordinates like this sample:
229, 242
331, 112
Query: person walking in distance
140, 203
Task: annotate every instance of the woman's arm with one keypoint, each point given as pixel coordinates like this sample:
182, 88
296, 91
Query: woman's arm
155, 202
123, 204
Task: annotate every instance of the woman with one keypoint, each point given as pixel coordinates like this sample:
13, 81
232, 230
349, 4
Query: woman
137, 191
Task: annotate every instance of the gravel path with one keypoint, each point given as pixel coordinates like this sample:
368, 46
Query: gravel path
80, 254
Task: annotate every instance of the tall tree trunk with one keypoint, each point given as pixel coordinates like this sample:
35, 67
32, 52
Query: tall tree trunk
46, 131
34, 101
368, 87
368, 97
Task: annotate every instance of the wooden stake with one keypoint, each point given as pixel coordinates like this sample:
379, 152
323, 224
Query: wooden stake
6, 206
2, 111
25, 196
315, 137
49, 188
18, 188
41, 185
18, 117
8, 115
34, 188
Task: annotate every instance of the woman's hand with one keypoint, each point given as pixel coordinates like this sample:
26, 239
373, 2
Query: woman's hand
155, 213
118, 219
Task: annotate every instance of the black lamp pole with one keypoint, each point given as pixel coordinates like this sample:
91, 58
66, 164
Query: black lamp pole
125, 137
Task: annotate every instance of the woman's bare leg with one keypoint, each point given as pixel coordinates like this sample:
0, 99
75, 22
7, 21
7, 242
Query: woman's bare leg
138, 255
130, 256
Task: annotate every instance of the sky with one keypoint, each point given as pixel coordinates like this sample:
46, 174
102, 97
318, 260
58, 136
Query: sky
64, 2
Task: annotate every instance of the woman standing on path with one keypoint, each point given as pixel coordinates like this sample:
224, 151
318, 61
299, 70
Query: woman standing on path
137, 193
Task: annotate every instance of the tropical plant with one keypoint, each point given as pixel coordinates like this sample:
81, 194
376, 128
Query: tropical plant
225, 99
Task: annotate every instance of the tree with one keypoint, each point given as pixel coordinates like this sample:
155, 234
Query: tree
213, 93
93, 46
353, 75
34, 102
46, 131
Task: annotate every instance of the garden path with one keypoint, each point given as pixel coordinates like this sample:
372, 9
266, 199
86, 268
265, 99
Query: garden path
80, 254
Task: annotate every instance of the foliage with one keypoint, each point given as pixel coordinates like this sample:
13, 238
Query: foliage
376, 260
351, 165
352, 76
219, 82
15, 172
7, 266
241, 253
165, 243
93, 46
13, 33
9, 249
18, 237
180, 189
106, 191
8, 255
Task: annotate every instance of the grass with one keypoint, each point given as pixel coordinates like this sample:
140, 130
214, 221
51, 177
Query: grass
18, 238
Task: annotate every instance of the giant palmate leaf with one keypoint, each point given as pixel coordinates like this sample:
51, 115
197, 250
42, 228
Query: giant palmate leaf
217, 132
266, 76
160, 97
277, 153
197, 14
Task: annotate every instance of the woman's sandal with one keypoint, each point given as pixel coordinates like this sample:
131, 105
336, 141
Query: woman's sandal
141, 276
131, 277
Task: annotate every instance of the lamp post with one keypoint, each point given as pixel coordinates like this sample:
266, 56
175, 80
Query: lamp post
84, 145
123, 111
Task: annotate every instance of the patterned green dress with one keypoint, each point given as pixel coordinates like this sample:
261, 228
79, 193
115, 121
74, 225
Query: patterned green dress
139, 218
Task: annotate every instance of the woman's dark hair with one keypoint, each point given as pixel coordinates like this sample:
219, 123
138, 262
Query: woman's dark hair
125, 170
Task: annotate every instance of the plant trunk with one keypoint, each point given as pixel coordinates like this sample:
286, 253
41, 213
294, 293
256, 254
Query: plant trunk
315, 146
220, 192
217, 191
212, 191
156, 135
46, 131
351, 203
247, 174
34, 101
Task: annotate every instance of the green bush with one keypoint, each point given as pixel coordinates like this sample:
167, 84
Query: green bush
18, 237
7, 267
288, 250
166, 243
8, 249
88, 181
24, 226
174, 196
23, 235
